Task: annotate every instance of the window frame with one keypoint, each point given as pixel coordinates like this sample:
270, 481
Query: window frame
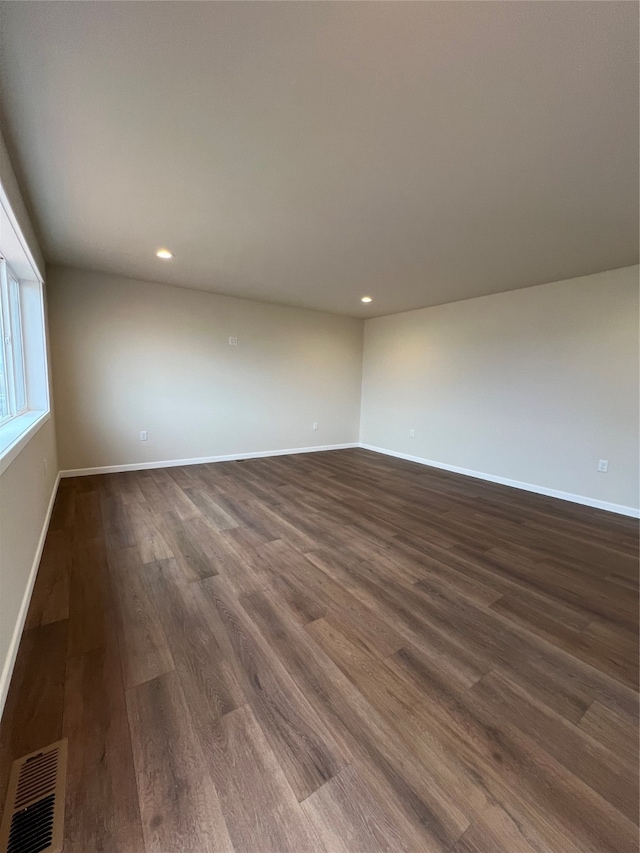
18, 264
15, 373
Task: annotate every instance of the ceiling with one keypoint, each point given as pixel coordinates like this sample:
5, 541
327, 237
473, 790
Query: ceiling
310, 153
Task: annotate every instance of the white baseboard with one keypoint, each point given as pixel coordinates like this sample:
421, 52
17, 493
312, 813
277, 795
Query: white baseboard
173, 463
467, 472
10, 660
516, 484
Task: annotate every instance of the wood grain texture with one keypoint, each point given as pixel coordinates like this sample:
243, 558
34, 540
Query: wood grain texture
354, 813
305, 748
90, 601
613, 730
258, 804
335, 652
145, 651
102, 810
50, 599
178, 801
209, 686
432, 808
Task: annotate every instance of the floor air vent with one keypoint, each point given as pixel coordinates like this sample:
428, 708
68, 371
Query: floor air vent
33, 820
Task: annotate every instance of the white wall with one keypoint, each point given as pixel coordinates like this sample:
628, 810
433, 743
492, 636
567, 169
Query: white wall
531, 385
131, 355
25, 491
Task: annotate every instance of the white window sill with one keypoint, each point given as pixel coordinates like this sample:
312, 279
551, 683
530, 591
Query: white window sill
15, 434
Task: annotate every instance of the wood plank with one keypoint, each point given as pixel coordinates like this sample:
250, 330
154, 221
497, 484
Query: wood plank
614, 731
296, 572
64, 507
209, 685
116, 521
50, 598
495, 832
145, 651
102, 799
510, 646
90, 602
484, 568
179, 804
305, 748
515, 768
258, 805
211, 509
190, 542
585, 757
434, 809
353, 813
399, 606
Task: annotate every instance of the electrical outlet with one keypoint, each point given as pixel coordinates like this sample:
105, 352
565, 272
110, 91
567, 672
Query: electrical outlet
143, 435
46, 466
603, 465
315, 425
233, 342
412, 433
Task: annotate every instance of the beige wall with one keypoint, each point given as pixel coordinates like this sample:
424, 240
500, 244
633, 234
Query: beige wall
131, 355
25, 491
532, 385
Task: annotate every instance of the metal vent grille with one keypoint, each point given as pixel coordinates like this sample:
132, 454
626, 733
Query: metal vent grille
33, 820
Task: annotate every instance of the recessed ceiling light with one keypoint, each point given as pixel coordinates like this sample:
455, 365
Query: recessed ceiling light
366, 299
165, 254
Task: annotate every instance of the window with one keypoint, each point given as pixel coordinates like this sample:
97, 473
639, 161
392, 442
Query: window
13, 391
24, 377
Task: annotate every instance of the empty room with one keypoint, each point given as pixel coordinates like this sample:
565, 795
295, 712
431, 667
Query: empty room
319, 427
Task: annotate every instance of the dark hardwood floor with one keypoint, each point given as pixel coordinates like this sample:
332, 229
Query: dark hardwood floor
336, 652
